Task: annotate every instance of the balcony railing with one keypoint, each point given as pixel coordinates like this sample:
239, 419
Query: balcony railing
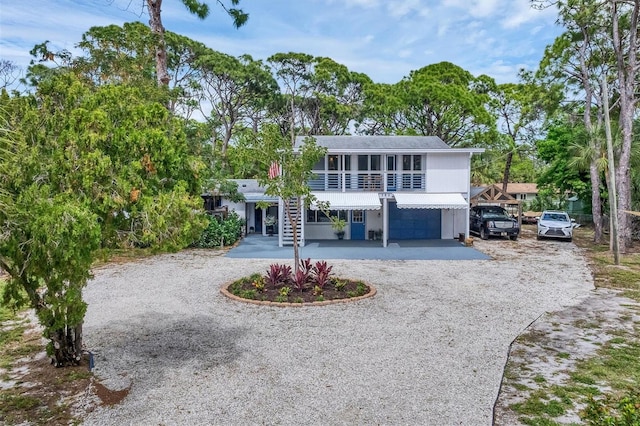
368, 181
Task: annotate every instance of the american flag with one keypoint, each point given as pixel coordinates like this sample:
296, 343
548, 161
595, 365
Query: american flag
274, 170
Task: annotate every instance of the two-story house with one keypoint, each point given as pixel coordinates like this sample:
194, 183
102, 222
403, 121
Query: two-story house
385, 187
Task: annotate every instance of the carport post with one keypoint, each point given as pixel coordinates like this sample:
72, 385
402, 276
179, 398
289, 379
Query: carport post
468, 209
385, 221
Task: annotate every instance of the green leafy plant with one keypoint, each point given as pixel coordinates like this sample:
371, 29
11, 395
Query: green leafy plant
339, 284
361, 288
248, 294
337, 223
284, 291
220, 231
613, 411
259, 284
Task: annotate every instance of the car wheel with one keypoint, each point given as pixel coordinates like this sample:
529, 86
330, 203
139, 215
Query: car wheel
483, 234
513, 237
569, 239
538, 237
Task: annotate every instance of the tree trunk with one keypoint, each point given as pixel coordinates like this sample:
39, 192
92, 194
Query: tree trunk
507, 171
596, 202
155, 22
626, 60
595, 176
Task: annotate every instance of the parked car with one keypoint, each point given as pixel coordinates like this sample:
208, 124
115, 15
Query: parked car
530, 217
555, 224
489, 221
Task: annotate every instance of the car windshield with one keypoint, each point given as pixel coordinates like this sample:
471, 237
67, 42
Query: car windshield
558, 217
495, 214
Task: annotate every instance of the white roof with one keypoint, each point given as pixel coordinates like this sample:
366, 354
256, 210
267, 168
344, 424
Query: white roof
430, 201
348, 200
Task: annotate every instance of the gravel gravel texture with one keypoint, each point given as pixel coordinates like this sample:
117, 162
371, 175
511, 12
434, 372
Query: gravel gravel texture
428, 349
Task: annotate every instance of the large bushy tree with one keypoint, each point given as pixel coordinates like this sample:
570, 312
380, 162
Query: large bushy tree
441, 100
88, 166
601, 42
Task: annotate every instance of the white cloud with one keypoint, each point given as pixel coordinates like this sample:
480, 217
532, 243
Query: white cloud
383, 39
484, 8
521, 12
402, 8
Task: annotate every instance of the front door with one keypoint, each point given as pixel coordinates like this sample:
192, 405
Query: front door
258, 220
357, 224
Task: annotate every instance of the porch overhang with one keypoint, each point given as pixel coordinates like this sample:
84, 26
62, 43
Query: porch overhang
254, 197
430, 201
348, 200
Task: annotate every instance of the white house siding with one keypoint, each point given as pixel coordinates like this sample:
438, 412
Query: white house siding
322, 231
447, 172
239, 208
453, 223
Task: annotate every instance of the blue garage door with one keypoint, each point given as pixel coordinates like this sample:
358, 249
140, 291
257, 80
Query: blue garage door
414, 224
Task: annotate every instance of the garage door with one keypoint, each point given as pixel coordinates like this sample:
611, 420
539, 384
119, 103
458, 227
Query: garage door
414, 224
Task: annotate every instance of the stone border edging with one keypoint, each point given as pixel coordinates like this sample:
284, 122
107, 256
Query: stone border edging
372, 292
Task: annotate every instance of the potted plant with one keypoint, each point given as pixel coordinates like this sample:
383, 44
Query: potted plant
338, 225
270, 221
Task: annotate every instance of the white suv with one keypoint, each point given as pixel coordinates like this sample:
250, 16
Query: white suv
555, 224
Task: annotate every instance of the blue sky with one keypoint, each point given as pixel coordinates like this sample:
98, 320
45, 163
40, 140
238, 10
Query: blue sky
382, 38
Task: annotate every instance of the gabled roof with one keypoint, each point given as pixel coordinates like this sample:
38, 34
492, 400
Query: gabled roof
382, 143
492, 193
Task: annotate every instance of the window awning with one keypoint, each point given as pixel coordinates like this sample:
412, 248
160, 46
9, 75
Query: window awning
348, 200
430, 201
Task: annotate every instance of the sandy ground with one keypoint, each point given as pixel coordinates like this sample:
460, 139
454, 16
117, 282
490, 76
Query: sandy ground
429, 348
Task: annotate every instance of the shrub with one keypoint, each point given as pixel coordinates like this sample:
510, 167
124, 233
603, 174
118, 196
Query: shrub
278, 275
321, 273
220, 231
300, 280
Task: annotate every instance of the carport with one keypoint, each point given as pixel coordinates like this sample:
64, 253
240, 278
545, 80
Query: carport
494, 195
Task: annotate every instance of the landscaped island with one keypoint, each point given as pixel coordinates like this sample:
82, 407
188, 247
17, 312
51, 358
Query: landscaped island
309, 284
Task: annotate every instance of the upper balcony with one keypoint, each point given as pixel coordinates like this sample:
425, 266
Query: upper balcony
369, 181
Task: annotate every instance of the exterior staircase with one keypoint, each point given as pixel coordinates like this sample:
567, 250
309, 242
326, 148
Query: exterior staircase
287, 228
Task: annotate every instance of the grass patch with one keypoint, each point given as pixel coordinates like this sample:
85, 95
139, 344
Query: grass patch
540, 404
616, 365
625, 276
612, 373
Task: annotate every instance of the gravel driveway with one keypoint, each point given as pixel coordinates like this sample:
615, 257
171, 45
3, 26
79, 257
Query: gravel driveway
428, 349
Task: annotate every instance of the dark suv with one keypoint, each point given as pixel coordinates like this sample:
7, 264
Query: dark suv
490, 221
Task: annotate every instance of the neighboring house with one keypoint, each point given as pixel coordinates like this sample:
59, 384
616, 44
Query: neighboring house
385, 187
525, 192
